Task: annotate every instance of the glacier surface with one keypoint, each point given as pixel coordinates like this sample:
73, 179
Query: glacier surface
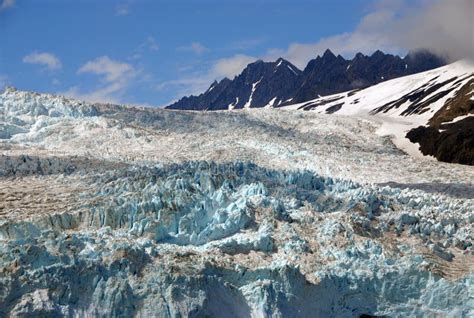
115, 211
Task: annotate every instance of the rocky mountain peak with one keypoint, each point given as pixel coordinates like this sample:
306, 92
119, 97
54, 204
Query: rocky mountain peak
379, 54
280, 82
328, 54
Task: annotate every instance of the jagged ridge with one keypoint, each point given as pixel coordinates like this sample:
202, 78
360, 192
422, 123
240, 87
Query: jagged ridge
279, 83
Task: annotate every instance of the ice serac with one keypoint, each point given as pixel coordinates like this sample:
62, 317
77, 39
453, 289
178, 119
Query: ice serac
116, 211
190, 239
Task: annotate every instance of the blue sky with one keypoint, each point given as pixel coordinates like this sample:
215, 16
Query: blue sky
153, 52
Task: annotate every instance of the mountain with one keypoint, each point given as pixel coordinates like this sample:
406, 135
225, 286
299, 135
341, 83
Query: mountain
434, 109
331, 74
259, 84
278, 83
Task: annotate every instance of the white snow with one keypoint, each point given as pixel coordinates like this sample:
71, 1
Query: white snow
277, 66
459, 118
397, 130
291, 69
232, 105
254, 86
342, 144
271, 103
362, 102
471, 93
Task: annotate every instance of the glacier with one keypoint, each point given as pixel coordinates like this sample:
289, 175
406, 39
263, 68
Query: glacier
117, 211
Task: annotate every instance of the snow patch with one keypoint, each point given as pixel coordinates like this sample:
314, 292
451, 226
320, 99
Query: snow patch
271, 103
232, 105
459, 118
291, 69
254, 87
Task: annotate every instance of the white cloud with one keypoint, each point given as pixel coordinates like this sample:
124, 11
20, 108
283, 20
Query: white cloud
49, 60
6, 4
194, 47
396, 26
361, 40
443, 27
111, 70
346, 44
231, 66
115, 77
103, 95
371, 34
198, 82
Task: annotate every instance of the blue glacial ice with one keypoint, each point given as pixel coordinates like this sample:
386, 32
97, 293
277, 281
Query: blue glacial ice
203, 239
95, 220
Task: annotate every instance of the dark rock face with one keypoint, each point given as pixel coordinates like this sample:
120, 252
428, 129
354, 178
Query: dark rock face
259, 84
454, 143
332, 74
450, 141
461, 104
281, 83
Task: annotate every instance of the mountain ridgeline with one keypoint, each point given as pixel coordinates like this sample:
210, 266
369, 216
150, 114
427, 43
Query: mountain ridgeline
279, 83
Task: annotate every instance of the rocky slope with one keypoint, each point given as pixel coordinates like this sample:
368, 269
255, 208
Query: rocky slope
272, 84
449, 135
113, 211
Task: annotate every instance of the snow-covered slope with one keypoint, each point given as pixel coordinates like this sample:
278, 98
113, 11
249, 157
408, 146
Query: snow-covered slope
400, 104
401, 98
116, 211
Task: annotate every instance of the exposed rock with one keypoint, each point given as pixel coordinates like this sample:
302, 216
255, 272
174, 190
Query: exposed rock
280, 83
259, 84
452, 142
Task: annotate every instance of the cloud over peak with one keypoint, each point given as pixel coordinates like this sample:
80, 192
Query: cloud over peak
443, 27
